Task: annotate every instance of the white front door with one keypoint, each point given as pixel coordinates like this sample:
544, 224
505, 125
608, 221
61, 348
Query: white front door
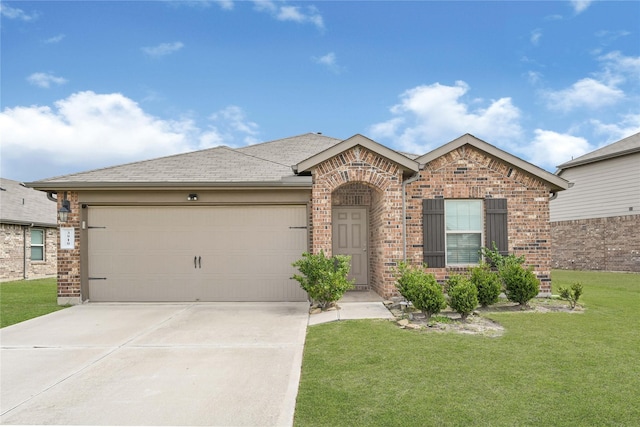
350, 238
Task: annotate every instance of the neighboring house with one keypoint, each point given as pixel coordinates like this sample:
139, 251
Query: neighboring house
596, 223
225, 224
28, 224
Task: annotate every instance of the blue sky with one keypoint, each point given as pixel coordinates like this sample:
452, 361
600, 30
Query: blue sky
91, 84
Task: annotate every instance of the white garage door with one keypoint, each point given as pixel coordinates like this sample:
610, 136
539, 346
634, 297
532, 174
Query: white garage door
222, 253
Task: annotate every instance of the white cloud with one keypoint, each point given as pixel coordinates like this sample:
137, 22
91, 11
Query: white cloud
549, 149
330, 61
54, 39
428, 116
284, 12
580, 6
617, 68
536, 35
628, 125
231, 121
45, 80
534, 77
89, 130
163, 49
586, 93
15, 13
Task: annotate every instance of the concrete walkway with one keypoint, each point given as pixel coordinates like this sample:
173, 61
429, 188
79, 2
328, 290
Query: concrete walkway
354, 305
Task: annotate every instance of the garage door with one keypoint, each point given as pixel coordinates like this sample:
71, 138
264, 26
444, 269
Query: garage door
222, 253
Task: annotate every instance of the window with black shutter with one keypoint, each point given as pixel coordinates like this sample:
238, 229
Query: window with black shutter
433, 232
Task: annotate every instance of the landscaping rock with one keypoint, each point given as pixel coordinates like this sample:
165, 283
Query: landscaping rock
403, 322
315, 310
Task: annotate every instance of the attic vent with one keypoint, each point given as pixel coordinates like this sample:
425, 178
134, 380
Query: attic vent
509, 172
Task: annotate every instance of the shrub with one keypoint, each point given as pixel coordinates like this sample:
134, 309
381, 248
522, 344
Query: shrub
571, 294
499, 261
324, 278
420, 288
463, 295
520, 284
487, 283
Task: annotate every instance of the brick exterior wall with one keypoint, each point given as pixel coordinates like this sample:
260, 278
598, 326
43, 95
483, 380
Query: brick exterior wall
69, 259
16, 243
467, 173
359, 175
609, 244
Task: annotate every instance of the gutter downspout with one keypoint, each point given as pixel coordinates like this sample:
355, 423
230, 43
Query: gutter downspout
24, 252
404, 213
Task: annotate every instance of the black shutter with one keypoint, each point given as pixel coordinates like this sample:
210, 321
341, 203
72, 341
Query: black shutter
433, 232
496, 217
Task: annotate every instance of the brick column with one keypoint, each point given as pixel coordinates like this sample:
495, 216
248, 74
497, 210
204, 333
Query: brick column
69, 259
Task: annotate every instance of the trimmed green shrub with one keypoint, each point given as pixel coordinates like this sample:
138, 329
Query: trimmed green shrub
487, 283
324, 278
520, 284
420, 288
571, 294
496, 259
463, 295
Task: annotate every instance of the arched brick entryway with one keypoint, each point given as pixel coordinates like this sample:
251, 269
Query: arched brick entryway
359, 177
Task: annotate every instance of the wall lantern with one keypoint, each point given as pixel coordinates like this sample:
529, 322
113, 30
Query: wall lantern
65, 210
192, 197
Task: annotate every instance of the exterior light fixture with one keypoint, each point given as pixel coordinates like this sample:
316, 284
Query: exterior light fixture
192, 197
65, 210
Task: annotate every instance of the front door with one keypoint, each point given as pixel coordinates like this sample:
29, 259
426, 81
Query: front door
350, 238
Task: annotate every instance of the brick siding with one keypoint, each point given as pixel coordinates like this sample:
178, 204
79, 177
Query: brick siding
14, 249
469, 173
609, 244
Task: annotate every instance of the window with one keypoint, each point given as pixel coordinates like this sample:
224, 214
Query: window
37, 244
452, 230
463, 225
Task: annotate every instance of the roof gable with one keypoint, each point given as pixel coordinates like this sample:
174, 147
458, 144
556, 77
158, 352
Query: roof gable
556, 182
403, 161
628, 145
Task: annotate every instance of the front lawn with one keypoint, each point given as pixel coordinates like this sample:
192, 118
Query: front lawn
25, 299
560, 369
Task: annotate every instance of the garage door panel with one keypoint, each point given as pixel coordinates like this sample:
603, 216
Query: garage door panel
243, 253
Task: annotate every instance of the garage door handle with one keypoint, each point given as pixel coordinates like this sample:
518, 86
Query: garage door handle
199, 262
195, 262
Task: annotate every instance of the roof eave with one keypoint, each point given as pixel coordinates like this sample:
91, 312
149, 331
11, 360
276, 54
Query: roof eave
578, 162
299, 182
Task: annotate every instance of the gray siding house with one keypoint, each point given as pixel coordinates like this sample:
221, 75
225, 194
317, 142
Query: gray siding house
595, 224
28, 225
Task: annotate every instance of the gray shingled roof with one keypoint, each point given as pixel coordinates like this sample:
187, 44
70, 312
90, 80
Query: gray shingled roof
265, 163
21, 205
625, 146
290, 151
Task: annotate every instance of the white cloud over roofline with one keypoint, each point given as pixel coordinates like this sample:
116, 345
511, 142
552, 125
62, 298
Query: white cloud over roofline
88, 130
45, 80
427, 116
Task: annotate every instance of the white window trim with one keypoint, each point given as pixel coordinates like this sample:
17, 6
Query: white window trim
38, 245
447, 232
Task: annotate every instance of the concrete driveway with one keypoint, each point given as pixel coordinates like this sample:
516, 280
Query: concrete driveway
154, 364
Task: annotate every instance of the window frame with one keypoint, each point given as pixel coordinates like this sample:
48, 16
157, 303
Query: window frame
38, 245
480, 231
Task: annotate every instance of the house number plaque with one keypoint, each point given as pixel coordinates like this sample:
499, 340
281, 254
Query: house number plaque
67, 238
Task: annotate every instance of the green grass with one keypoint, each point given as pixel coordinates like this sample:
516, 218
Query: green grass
25, 299
548, 369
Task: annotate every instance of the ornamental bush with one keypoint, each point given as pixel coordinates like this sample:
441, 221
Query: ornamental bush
571, 294
487, 283
463, 295
520, 284
420, 288
324, 278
